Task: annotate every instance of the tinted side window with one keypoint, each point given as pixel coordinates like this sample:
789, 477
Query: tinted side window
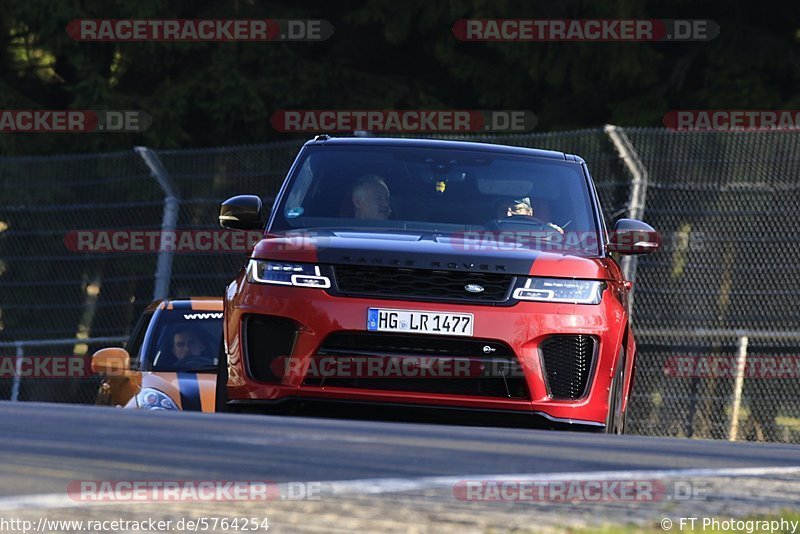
134, 345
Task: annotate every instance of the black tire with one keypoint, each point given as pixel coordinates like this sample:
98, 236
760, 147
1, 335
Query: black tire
615, 421
222, 379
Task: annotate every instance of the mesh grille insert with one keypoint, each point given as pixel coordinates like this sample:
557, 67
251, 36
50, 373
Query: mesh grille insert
568, 362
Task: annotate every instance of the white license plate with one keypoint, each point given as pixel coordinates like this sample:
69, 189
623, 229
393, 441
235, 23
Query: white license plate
419, 322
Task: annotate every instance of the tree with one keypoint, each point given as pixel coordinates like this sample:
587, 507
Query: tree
384, 54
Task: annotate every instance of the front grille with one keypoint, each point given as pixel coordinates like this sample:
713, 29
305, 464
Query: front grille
568, 361
269, 342
385, 343
421, 284
476, 367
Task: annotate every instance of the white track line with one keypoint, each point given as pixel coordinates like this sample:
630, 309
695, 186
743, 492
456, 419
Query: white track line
392, 485
374, 486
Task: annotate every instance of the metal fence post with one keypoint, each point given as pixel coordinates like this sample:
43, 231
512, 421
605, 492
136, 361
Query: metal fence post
169, 219
638, 192
20, 352
741, 362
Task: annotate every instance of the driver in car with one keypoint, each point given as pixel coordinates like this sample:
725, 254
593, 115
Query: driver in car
520, 206
523, 206
186, 344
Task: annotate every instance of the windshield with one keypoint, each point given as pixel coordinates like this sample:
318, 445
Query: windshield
444, 191
185, 340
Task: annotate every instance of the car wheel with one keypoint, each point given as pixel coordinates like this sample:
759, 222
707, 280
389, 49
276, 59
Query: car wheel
615, 421
222, 379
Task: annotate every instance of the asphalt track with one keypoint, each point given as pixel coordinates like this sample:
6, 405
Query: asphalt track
45, 446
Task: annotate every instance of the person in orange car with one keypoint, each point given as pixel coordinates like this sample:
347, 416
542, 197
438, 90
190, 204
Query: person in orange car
187, 349
170, 361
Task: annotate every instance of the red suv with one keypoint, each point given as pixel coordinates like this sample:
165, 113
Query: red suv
428, 274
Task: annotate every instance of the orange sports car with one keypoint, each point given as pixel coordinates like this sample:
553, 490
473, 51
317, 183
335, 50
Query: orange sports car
170, 361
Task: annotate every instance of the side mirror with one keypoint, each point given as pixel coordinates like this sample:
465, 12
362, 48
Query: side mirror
112, 361
633, 237
243, 212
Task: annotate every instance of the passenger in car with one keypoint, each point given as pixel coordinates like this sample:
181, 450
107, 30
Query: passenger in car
371, 198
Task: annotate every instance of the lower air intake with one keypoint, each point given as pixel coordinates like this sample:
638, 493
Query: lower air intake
568, 361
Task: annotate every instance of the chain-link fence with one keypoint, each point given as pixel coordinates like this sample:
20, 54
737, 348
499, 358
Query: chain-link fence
718, 293
722, 291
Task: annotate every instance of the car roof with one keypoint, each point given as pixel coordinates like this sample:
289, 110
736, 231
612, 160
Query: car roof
436, 143
193, 303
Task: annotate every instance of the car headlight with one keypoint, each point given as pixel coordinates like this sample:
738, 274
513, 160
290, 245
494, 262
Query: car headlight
561, 290
287, 274
153, 399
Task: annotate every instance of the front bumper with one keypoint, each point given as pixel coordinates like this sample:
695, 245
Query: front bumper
522, 327
413, 412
